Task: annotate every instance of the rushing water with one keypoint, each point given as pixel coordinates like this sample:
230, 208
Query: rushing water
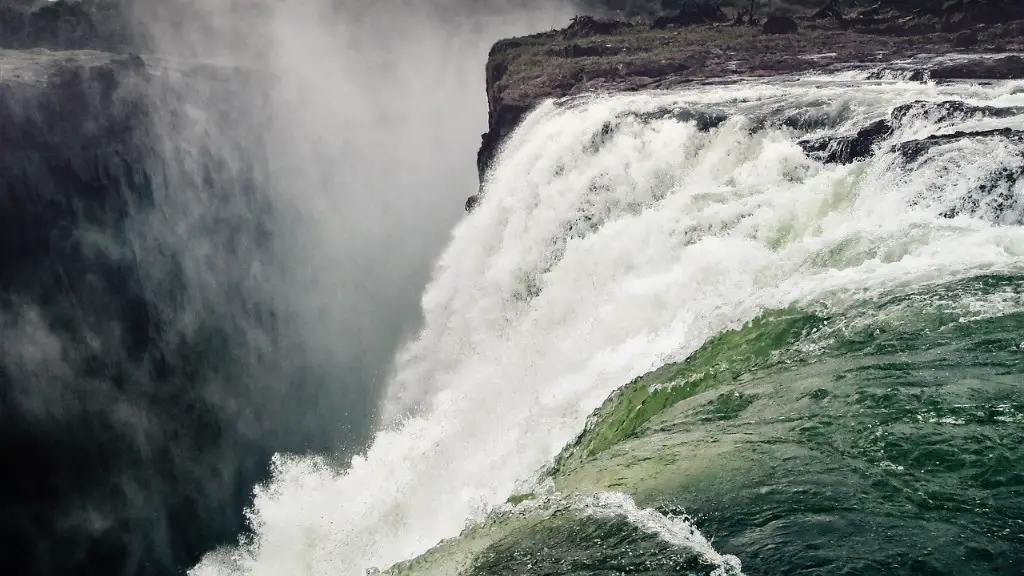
839, 352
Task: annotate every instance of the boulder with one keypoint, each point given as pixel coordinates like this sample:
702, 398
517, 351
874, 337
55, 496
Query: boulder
847, 149
779, 25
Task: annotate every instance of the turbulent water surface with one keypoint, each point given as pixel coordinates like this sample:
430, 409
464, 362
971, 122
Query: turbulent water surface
791, 366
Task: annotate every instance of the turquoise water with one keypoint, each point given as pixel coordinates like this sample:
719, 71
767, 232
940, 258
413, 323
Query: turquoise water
886, 438
891, 440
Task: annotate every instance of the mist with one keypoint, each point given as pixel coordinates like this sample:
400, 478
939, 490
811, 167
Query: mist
359, 123
305, 163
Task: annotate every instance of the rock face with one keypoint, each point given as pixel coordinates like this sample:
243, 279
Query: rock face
64, 25
144, 381
133, 427
523, 72
51, 120
79, 326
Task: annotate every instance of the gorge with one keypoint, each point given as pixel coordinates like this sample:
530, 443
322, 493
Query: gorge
727, 300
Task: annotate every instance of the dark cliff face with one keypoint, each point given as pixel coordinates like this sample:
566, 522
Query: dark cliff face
91, 368
147, 372
66, 25
593, 55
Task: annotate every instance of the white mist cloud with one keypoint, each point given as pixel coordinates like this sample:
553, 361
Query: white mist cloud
367, 116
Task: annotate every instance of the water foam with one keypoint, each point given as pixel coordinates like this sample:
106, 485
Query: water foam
595, 258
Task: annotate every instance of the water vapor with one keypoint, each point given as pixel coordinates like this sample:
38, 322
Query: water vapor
305, 165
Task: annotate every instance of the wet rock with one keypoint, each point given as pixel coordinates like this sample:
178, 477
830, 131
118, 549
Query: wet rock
995, 199
779, 25
903, 74
49, 132
123, 417
847, 149
706, 120
472, 202
501, 122
914, 149
952, 109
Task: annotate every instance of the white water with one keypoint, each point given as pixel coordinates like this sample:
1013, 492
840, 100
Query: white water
529, 328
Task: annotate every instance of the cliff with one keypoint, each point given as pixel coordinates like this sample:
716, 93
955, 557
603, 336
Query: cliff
65, 25
693, 46
129, 401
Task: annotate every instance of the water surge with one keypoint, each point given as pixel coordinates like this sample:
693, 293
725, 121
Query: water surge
621, 234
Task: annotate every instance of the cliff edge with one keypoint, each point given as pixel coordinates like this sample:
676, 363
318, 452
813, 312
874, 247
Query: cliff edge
710, 45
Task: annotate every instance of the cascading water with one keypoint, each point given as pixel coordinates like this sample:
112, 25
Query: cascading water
618, 234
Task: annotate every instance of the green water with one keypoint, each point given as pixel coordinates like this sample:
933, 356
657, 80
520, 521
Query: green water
885, 438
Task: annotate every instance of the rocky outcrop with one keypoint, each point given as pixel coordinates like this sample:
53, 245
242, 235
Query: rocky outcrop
523, 72
847, 149
913, 150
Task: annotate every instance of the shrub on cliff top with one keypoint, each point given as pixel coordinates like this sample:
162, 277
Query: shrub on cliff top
584, 26
690, 12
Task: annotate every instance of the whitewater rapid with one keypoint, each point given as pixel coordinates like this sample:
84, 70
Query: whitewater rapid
614, 237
